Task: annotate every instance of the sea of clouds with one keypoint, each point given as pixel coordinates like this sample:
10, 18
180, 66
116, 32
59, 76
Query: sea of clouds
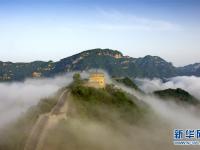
155, 135
17, 97
188, 83
179, 116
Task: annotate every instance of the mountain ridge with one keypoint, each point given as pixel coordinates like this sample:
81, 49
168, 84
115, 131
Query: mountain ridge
178, 95
112, 61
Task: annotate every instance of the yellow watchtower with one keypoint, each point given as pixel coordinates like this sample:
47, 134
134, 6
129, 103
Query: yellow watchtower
97, 80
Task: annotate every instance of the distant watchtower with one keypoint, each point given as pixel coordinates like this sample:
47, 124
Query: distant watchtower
97, 80
36, 74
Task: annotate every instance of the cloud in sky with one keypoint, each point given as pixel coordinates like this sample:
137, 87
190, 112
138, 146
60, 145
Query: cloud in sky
116, 20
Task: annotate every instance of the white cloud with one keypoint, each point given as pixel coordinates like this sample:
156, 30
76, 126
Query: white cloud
177, 116
17, 97
115, 20
188, 83
174, 114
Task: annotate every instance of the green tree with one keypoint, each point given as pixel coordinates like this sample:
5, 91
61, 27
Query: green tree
77, 78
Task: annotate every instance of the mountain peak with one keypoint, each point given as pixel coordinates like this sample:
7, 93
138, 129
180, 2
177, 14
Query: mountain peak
155, 58
179, 95
103, 52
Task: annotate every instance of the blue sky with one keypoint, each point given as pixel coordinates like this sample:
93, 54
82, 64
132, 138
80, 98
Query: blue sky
54, 29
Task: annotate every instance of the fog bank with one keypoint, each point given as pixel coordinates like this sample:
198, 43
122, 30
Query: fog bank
17, 97
188, 83
178, 116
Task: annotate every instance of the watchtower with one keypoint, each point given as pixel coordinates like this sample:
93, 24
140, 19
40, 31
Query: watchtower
97, 80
